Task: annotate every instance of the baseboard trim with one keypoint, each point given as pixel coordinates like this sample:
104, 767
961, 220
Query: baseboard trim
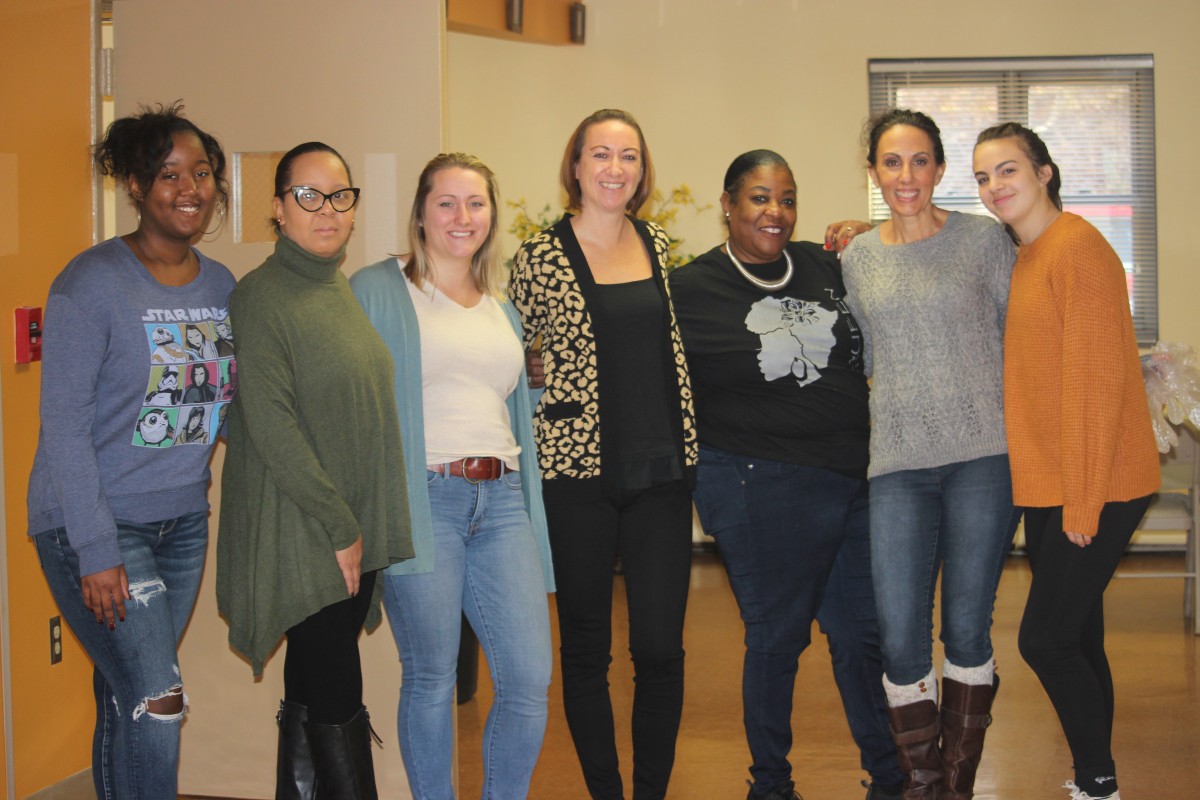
76, 787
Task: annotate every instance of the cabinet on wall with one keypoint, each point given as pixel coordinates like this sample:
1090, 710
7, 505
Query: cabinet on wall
542, 21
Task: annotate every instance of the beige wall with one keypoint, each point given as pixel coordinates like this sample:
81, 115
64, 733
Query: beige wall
709, 79
267, 81
262, 76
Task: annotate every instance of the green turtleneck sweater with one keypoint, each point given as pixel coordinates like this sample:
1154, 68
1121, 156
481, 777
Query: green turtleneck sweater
314, 455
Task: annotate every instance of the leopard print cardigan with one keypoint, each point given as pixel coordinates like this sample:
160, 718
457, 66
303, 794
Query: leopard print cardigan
549, 287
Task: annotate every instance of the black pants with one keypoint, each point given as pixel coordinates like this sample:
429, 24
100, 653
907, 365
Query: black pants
1062, 631
651, 531
322, 669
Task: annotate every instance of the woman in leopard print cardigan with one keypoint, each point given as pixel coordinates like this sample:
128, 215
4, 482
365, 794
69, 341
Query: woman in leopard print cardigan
617, 446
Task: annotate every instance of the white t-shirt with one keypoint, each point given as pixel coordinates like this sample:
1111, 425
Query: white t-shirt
471, 361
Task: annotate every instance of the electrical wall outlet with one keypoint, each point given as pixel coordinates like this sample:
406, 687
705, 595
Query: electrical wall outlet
55, 640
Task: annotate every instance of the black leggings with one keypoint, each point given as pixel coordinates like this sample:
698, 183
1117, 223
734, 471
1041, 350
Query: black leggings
1062, 631
322, 669
651, 530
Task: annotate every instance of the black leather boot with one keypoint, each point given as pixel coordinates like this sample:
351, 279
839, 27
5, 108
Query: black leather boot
294, 776
342, 758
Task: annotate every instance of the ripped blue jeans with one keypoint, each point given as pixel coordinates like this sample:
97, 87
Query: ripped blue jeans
135, 752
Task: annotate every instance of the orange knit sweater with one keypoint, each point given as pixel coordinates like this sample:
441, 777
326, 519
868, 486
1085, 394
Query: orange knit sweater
1075, 406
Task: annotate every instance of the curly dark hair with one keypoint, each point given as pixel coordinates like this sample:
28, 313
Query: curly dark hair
137, 146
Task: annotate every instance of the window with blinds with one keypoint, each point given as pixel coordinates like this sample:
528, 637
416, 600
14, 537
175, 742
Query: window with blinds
1096, 114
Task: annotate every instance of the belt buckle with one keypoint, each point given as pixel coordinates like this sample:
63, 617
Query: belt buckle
466, 477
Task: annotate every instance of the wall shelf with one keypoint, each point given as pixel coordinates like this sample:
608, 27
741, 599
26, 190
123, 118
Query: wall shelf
544, 21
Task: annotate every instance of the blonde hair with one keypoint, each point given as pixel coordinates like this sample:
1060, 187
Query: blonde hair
485, 264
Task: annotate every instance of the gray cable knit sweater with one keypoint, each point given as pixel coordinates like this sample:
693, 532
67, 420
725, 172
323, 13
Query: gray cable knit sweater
932, 314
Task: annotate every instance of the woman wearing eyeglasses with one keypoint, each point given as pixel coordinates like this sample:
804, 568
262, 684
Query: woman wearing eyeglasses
313, 491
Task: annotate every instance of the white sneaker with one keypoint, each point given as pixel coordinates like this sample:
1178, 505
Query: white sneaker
1080, 794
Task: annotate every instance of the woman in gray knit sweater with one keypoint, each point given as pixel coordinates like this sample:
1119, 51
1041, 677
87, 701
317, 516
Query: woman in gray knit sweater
929, 287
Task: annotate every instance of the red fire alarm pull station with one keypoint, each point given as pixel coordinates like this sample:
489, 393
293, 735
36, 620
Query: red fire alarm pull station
28, 334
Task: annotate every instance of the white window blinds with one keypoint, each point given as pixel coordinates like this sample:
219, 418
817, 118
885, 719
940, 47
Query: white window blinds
1096, 114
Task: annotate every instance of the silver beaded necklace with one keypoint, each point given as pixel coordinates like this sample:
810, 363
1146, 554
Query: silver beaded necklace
766, 286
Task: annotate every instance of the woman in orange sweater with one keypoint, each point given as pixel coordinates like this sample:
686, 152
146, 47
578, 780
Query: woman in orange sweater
1082, 453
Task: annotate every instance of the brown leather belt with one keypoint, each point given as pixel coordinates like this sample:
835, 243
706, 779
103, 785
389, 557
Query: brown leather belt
474, 469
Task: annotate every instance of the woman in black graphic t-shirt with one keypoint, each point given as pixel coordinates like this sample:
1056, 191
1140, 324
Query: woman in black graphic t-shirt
781, 414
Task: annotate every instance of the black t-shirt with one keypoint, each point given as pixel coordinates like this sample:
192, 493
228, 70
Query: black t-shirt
776, 375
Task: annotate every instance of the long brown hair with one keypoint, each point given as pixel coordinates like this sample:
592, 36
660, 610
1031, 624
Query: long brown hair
1035, 150
574, 151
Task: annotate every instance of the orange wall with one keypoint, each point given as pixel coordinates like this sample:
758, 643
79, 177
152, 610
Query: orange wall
45, 129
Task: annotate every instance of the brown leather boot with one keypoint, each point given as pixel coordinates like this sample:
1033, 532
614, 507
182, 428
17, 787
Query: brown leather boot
966, 715
915, 731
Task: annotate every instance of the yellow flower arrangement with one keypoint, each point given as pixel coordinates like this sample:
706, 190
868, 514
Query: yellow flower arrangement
660, 209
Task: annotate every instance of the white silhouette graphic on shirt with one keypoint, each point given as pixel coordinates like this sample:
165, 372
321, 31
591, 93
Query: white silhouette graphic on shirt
796, 337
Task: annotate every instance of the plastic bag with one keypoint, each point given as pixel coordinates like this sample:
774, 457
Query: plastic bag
1172, 374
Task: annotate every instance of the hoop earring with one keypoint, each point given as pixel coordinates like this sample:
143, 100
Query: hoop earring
220, 223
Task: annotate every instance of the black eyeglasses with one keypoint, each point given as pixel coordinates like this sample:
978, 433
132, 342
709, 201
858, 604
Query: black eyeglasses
313, 200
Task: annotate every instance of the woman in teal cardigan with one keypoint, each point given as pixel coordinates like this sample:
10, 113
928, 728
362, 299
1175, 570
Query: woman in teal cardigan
479, 529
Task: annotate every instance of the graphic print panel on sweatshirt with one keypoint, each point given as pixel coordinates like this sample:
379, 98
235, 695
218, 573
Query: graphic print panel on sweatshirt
190, 385
114, 400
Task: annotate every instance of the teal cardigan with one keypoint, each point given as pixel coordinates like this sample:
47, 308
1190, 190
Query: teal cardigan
383, 294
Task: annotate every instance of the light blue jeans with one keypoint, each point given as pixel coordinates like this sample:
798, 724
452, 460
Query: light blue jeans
485, 565
958, 516
135, 753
